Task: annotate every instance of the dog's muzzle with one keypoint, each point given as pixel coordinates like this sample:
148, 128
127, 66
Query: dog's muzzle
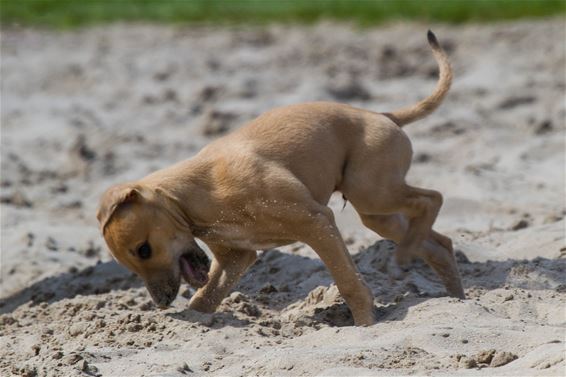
194, 266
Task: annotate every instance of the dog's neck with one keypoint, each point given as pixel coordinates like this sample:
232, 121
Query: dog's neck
186, 188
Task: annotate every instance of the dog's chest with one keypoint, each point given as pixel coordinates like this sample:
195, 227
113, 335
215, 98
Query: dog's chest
239, 237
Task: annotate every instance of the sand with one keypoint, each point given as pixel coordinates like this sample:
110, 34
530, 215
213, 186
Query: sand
85, 109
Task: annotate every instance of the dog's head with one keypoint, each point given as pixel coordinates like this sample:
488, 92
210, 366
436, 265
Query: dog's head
146, 233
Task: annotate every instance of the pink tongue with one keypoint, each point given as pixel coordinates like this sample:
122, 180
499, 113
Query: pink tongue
190, 272
187, 269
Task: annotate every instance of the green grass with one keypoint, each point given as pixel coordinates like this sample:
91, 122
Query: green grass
74, 13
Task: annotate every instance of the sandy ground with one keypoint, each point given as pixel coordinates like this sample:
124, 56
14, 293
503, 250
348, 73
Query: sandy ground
83, 110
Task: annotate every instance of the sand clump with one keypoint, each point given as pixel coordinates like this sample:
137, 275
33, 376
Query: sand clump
87, 109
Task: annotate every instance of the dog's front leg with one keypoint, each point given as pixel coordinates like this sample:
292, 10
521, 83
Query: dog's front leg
323, 236
227, 267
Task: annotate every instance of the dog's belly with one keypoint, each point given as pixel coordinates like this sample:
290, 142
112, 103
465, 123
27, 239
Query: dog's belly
239, 237
250, 245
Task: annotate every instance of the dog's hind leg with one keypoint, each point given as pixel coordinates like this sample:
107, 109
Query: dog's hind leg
421, 208
392, 195
436, 250
227, 267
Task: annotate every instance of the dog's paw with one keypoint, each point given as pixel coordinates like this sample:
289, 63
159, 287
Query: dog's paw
202, 305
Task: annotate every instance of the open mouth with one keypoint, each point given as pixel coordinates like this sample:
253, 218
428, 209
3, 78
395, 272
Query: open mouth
194, 268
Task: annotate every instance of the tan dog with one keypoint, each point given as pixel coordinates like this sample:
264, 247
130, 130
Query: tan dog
266, 185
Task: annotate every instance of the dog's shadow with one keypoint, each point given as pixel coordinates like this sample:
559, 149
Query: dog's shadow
280, 281
283, 282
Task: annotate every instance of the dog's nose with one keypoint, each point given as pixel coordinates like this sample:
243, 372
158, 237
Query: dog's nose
162, 294
162, 301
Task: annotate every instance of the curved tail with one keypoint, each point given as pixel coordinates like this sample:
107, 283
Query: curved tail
425, 107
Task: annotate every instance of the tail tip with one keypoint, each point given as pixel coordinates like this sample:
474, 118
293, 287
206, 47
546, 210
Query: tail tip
432, 39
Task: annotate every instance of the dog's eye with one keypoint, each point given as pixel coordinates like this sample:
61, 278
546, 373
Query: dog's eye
144, 251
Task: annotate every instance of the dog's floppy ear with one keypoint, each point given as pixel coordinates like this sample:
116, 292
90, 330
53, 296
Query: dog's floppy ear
113, 198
